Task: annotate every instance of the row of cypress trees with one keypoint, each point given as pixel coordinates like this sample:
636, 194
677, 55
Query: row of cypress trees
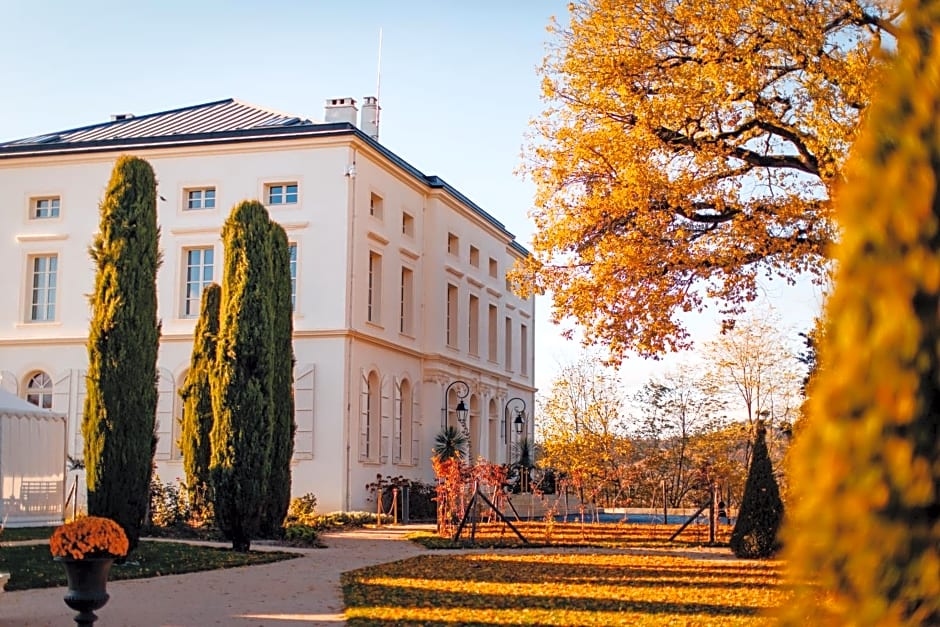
237, 435
238, 418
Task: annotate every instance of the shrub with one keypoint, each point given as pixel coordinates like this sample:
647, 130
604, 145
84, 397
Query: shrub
302, 510
302, 535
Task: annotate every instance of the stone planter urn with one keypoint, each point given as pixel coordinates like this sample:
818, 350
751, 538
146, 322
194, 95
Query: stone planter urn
87, 579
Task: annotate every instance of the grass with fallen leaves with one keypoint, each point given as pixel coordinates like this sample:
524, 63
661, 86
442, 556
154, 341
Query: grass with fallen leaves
571, 589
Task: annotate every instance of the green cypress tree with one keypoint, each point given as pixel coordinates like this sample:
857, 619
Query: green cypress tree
197, 398
863, 526
241, 383
282, 391
120, 406
761, 512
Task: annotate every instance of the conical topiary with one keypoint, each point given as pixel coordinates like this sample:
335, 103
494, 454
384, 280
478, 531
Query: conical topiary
761, 511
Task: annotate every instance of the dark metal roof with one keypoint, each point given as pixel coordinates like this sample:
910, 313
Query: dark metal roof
222, 121
212, 117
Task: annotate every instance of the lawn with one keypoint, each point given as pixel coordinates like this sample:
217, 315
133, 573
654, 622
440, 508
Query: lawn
14, 534
648, 587
32, 566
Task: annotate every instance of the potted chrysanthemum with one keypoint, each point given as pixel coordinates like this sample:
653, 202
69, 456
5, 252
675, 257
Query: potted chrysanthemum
87, 547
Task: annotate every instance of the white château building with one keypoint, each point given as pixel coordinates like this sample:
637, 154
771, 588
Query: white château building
400, 291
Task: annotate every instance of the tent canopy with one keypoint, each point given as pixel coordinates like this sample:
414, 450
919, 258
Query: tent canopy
32, 463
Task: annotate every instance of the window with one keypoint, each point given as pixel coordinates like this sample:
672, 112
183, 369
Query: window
407, 224
43, 269
508, 341
375, 206
474, 256
453, 244
39, 390
292, 248
406, 314
201, 198
199, 269
494, 337
281, 194
524, 349
43, 208
474, 331
494, 268
374, 297
451, 315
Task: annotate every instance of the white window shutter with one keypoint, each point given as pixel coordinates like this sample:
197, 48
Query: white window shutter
304, 380
164, 427
364, 417
8, 382
396, 422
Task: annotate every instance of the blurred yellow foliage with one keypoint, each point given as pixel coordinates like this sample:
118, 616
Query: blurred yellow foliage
864, 528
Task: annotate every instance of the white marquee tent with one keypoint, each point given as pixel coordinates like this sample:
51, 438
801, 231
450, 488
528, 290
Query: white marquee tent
32, 463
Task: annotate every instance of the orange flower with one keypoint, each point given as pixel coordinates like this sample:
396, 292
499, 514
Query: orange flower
91, 536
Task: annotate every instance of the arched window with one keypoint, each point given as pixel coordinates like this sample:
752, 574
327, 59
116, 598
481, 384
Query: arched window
39, 390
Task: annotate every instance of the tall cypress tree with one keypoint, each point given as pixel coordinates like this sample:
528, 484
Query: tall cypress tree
282, 390
197, 397
119, 417
864, 525
241, 380
761, 512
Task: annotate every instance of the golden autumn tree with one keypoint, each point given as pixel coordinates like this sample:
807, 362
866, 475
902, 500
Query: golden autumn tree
864, 526
583, 436
687, 149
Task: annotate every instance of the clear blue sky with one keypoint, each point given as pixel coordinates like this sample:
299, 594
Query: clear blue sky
459, 82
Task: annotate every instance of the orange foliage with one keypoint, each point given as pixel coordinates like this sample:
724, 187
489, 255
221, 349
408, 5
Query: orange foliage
687, 149
90, 536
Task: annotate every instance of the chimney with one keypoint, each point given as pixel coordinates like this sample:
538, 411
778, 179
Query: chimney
340, 110
370, 117
117, 117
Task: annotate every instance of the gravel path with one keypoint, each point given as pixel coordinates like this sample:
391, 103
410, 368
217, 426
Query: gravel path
303, 591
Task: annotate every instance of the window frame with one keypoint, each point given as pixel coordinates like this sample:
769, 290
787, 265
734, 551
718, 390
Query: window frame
42, 391
50, 286
203, 191
374, 288
54, 209
283, 195
185, 266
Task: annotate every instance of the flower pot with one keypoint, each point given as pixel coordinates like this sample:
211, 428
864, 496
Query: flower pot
88, 579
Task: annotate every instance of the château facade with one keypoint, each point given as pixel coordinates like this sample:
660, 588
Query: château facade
399, 283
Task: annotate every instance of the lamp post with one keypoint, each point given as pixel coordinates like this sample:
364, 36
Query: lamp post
518, 423
461, 409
